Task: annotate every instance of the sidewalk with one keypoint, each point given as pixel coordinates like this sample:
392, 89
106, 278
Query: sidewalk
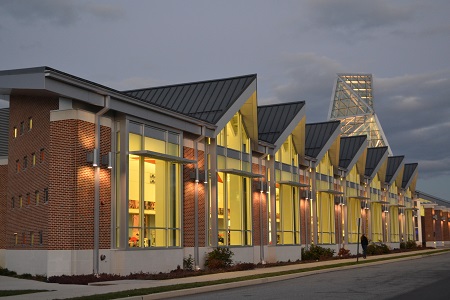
64, 291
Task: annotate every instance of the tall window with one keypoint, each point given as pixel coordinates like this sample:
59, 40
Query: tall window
394, 222
30, 123
33, 159
36, 197
353, 214
234, 189
326, 220
42, 155
154, 181
234, 218
21, 128
287, 215
377, 222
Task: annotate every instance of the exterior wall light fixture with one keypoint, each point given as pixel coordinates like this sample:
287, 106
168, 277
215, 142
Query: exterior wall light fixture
107, 160
92, 157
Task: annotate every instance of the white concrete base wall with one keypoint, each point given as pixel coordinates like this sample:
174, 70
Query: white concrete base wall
69, 262
431, 244
202, 251
2, 258
353, 248
245, 255
395, 245
286, 253
148, 261
32, 262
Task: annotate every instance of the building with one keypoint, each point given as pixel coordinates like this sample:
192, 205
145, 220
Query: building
95, 180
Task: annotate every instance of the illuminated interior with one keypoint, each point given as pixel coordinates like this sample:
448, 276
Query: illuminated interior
287, 197
233, 190
153, 191
352, 104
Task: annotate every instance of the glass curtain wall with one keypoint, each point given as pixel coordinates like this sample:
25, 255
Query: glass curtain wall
234, 218
154, 201
353, 214
287, 197
377, 222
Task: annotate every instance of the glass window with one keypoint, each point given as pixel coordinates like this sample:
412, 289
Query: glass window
45, 195
33, 159
25, 162
394, 222
20, 201
377, 222
28, 199
17, 166
353, 213
30, 123
41, 238
21, 128
15, 132
36, 197
154, 197
234, 210
287, 215
325, 216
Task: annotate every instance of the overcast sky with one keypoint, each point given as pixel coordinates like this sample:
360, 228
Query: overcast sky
295, 47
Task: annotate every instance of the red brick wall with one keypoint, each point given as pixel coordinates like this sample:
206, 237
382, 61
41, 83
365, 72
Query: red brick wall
71, 192
3, 203
429, 225
445, 232
189, 201
259, 209
438, 225
30, 217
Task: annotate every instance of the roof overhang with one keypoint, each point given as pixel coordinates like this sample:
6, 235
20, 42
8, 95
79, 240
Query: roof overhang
48, 81
241, 173
294, 183
163, 156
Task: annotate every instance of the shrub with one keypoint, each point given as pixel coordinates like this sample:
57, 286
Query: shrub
188, 263
343, 253
317, 253
219, 258
377, 248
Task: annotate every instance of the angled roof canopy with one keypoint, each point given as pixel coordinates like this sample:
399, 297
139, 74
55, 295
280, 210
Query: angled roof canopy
277, 121
352, 104
321, 137
410, 176
351, 150
394, 170
212, 101
376, 162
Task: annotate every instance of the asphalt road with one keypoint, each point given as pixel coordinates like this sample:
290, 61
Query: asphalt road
424, 278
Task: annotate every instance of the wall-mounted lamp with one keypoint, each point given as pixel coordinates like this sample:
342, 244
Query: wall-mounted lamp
201, 177
365, 205
107, 160
435, 217
385, 209
92, 157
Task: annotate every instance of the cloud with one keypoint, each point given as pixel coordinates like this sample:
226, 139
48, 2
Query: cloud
62, 13
309, 77
356, 17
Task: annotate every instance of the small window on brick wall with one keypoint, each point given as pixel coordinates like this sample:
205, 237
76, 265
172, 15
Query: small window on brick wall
16, 239
36, 197
21, 128
20, 201
42, 155
28, 199
30, 123
45, 195
15, 132
33, 159
41, 238
25, 162
13, 202
17, 166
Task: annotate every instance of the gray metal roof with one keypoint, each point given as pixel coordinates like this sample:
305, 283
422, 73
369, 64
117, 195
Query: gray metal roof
408, 173
374, 155
432, 198
274, 119
394, 162
317, 135
4, 130
205, 100
348, 148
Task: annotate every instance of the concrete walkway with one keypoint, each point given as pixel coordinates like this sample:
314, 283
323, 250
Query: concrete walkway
65, 291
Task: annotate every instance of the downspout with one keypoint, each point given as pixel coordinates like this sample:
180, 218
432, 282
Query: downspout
97, 184
261, 235
196, 247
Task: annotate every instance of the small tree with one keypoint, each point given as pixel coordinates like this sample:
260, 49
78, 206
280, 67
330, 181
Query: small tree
219, 258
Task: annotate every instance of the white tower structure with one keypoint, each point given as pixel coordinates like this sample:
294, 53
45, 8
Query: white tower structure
352, 104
